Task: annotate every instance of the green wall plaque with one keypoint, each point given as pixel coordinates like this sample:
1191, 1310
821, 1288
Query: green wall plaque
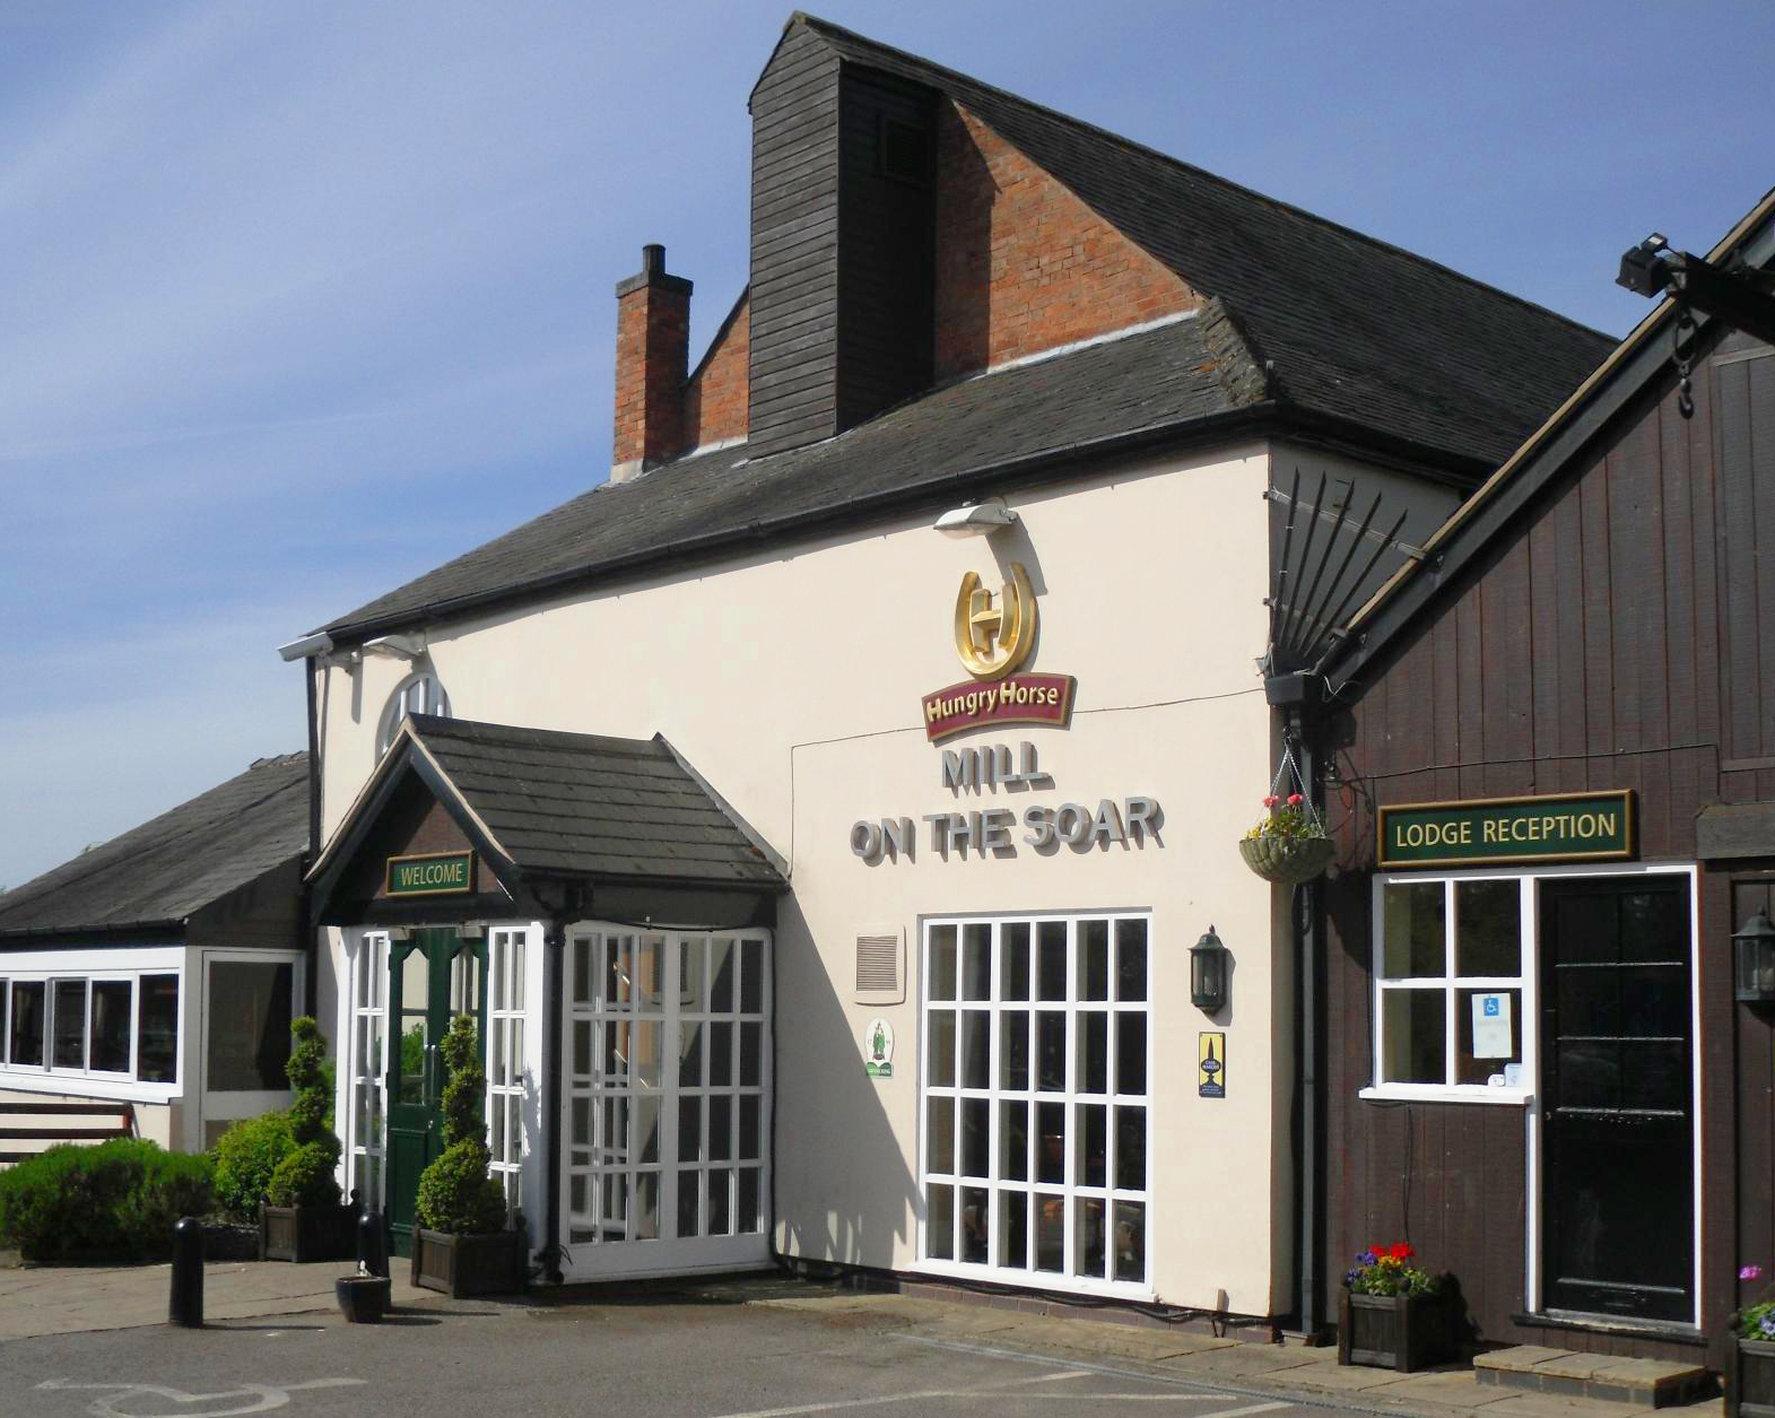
1577, 827
434, 874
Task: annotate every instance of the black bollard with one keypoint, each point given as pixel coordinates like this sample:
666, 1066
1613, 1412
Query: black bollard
372, 1248
186, 1305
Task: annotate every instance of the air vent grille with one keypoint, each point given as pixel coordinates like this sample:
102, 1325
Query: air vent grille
881, 977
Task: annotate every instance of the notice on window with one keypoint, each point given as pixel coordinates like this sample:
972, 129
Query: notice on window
1492, 1033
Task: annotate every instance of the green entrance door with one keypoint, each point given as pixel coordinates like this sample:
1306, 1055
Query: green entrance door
433, 976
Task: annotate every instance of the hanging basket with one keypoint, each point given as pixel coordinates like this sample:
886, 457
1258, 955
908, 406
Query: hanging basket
1288, 860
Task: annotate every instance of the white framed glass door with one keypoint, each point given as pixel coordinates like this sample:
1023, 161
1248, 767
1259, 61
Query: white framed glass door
666, 1106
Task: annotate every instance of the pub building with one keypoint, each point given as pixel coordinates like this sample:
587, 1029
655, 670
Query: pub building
820, 815
1548, 752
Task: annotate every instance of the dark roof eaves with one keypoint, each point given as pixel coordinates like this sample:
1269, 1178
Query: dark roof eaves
58, 934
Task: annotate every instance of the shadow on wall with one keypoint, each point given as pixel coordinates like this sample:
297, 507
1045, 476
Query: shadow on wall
844, 1189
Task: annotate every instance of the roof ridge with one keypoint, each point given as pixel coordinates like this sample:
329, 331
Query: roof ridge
818, 24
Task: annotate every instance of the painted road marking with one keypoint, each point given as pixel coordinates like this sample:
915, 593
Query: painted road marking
261, 1398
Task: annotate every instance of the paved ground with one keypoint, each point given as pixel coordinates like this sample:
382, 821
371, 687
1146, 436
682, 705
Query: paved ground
754, 1349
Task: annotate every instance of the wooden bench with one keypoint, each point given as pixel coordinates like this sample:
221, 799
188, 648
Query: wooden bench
29, 1128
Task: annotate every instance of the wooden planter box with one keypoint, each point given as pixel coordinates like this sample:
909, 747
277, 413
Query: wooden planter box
1403, 1332
460, 1266
1750, 1379
306, 1233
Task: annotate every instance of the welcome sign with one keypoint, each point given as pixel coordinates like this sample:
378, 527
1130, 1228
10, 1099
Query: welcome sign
436, 874
1581, 827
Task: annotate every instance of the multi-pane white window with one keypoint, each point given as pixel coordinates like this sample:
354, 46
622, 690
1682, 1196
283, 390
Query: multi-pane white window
1449, 985
119, 1026
1033, 1131
667, 1054
419, 693
505, 1056
368, 1064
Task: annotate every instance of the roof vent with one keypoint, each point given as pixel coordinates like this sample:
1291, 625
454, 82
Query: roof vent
881, 968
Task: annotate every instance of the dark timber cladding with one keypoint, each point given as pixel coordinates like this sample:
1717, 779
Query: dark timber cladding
1619, 635
795, 166
886, 226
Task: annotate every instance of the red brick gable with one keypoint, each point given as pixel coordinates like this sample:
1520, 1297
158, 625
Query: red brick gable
715, 399
1022, 264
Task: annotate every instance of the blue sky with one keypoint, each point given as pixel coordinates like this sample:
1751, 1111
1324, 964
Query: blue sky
299, 300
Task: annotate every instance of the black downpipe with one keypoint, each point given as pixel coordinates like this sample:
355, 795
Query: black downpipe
1307, 910
554, 949
305, 894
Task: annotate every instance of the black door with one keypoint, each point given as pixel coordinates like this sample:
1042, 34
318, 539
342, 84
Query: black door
1617, 1131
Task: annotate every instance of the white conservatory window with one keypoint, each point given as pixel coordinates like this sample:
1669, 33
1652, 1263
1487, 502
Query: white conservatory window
1033, 1128
419, 693
505, 1057
368, 1104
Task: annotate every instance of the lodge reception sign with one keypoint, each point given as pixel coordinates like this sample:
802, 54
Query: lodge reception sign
1578, 827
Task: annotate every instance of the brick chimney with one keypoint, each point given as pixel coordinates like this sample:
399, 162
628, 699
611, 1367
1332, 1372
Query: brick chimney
652, 362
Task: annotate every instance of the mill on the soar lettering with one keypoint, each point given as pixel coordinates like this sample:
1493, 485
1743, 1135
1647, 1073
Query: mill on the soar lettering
433, 874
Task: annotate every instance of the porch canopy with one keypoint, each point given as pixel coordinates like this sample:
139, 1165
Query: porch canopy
472, 821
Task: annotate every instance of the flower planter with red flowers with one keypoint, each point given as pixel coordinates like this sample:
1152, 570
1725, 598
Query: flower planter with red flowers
1750, 1363
1393, 1315
1289, 846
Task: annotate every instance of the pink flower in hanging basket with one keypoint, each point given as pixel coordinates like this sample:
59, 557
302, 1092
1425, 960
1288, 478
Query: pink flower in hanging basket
1271, 800
1295, 800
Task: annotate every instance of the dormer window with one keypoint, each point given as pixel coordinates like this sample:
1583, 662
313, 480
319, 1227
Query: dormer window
418, 693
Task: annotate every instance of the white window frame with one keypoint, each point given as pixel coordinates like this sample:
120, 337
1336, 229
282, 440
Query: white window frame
421, 692
1110, 1100
508, 1080
366, 1006
231, 1105
1450, 985
114, 965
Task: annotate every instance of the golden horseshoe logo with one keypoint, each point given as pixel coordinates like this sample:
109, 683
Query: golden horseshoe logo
993, 640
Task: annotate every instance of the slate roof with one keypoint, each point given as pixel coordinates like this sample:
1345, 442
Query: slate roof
586, 804
1177, 374
1306, 319
166, 870
1357, 328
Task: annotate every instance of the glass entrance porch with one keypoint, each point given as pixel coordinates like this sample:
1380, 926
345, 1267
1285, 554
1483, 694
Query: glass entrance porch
666, 1106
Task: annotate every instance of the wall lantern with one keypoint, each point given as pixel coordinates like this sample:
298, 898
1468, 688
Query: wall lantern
1753, 944
1208, 962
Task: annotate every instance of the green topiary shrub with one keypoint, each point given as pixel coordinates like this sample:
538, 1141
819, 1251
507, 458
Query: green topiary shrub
455, 1192
307, 1175
246, 1156
113, 1203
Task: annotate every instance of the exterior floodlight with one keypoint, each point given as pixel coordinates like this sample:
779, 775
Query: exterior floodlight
307, 647
404, 647
976, 519
1642, 270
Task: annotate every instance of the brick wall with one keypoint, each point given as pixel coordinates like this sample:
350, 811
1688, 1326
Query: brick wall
1022, 264
652, 349
715, 401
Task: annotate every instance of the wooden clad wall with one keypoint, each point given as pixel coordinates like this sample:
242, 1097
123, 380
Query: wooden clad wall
1617, 641
887, 235
794, 282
